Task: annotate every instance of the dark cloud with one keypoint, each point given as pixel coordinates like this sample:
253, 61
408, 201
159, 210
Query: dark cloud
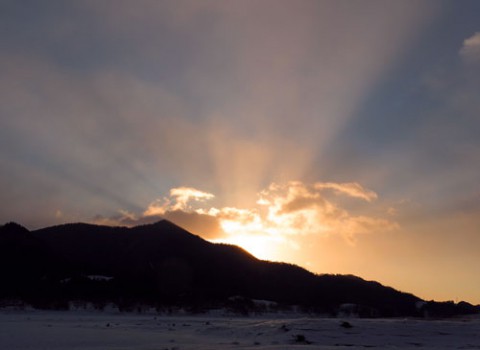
204, 225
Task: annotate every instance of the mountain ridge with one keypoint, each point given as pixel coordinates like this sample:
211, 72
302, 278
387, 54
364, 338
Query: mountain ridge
162, 263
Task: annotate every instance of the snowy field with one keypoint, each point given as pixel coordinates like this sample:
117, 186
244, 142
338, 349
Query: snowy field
20, 330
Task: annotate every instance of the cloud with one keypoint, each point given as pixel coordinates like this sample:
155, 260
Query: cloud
470, 50
183, 195
282, 212
211, 223
179, 200
352, 189
297, 208
205, 225
177, 209
240, 221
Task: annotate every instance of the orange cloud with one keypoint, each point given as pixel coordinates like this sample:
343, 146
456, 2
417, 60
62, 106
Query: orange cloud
283, 211
352, 189
207, 226
183, 195
179, 200
240, 221
297, 208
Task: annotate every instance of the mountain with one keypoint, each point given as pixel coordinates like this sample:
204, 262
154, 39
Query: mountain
162, 264
25, 261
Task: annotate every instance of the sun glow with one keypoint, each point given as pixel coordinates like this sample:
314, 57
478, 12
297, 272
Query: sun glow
247, 230
272, 226
263, 247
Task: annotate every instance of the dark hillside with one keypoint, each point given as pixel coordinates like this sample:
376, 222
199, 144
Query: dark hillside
162, 264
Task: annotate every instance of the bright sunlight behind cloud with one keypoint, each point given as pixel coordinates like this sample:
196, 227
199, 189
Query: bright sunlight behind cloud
110, 107
281, 211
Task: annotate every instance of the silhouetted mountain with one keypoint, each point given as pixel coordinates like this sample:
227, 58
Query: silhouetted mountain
162, 264
26, 262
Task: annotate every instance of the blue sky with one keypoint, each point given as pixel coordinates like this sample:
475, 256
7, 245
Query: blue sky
330, 131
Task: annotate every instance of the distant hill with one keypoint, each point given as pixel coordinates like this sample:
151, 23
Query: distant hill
162, 264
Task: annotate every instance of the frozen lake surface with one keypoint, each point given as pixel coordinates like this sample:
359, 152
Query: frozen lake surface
108, 331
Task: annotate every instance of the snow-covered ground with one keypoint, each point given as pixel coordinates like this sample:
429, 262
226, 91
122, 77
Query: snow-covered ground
22, 330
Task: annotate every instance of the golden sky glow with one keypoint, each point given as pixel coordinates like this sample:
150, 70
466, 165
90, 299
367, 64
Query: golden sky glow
271, 227
338, 135
322, 226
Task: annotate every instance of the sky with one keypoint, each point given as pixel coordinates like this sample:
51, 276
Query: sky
341, 136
